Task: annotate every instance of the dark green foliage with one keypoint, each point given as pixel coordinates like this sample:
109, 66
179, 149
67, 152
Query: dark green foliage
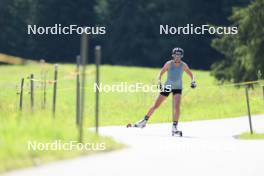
243, 53
133, 37
132, 29
17, 14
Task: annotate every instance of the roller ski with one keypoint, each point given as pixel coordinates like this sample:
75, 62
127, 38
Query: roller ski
175, 131
141, 124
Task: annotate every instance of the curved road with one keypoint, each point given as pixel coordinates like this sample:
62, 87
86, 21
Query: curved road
207, 148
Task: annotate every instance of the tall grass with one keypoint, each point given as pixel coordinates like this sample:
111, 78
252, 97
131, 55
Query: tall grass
17, 128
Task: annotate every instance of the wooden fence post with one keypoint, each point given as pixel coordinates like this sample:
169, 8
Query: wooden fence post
43, 84
84, 58
78, 61
44, 90
248, 108
98, 61
263, 90
21, 95
31, 92
55, 89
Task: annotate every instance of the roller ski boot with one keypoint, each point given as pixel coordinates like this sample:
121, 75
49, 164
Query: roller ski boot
175, 131
141, 124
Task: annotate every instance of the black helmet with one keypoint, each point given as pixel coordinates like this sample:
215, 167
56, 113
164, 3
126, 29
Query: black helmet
178, 52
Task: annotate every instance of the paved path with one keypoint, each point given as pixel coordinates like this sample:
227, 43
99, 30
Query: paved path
207, 148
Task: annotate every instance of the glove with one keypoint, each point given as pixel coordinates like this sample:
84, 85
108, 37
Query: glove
193, 84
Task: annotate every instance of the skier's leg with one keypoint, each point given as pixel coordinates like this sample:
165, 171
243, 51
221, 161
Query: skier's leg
160, 98
142, 123
177, 103
176, 113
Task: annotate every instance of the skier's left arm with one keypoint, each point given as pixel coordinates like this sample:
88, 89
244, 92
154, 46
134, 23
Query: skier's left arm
189, 72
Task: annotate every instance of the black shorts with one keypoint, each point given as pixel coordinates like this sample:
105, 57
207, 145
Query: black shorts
166, 92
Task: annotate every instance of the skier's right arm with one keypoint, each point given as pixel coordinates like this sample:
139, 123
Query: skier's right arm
162, 71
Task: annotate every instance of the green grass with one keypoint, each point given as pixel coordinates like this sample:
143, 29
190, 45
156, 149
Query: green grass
19, 128
16, 133
208, 101
248, 136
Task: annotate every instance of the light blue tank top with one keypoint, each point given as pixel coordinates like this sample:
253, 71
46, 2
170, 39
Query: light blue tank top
174, 76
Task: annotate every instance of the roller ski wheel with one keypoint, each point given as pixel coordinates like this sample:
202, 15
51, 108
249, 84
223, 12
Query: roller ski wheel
129, 125
134, 126
177, 133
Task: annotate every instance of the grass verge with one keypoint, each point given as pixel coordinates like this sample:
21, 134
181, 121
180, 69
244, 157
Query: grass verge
249, 136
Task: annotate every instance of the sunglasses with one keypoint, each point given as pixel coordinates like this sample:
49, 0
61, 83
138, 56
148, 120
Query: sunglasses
177, 55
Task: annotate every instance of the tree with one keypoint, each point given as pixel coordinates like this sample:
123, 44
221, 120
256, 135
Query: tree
133, 37
17, 14
243, 53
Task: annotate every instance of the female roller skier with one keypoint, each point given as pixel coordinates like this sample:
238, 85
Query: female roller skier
174, 69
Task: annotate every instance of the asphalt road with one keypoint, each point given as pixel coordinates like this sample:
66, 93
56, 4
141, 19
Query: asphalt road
207, 148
